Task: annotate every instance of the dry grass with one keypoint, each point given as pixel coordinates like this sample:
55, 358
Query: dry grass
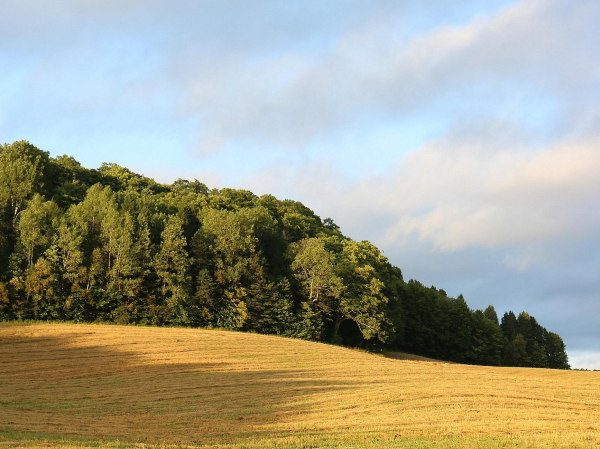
92, 385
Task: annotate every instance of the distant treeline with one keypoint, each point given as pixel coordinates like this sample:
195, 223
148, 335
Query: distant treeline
109, 245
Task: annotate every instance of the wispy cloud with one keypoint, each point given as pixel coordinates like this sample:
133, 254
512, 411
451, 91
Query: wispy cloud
295, 97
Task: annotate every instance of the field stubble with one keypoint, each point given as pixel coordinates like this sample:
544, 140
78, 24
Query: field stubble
97, 385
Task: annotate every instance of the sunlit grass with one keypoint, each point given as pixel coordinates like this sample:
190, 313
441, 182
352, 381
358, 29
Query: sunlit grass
114, 386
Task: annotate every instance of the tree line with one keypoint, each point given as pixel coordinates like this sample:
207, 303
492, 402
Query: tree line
109, 245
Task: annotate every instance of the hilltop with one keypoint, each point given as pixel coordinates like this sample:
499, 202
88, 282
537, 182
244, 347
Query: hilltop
113, 386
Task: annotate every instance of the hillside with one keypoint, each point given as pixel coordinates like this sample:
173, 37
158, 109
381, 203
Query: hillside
89, 385
109, 245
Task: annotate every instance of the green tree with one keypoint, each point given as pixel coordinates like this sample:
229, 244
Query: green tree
41, 285
509, 325
462, 331
231, 245
313, 266
362, 298
556, 352
171, 264
516, 353
76, 278
69, 181
21, 174
37, 226
5, 310
538, 356
490, 314
488, 341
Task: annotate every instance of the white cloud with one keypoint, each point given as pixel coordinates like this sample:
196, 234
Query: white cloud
458, 194
292, 98
584, 359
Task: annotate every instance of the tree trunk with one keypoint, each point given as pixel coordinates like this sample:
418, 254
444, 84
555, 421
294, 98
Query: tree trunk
339, 319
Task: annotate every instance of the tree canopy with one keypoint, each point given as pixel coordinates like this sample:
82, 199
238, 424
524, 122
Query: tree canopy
110, 245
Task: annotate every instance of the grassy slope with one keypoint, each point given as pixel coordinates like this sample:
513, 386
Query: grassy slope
90, 385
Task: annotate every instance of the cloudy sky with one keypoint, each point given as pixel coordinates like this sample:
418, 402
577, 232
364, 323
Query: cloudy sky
462, 137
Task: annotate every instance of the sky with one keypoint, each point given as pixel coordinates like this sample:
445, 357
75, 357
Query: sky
461, 137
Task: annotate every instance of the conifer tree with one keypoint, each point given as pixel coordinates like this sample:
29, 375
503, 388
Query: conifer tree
516, 353
509, 325
555, 352
490, 314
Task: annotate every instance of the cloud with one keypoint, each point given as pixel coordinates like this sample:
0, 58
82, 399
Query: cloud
585, 359
268, 73
459, 194
295, 97
462, 191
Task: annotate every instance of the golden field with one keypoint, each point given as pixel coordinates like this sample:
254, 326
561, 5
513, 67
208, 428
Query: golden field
64, 385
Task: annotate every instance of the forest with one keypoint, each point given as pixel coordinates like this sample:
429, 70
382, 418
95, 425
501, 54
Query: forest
109, 245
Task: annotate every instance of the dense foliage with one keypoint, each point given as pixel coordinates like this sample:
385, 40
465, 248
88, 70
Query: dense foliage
110, 245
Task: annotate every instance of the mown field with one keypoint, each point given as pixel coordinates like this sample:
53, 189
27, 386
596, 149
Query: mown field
116, 386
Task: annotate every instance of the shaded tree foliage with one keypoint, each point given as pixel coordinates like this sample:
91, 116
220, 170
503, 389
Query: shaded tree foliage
530, 344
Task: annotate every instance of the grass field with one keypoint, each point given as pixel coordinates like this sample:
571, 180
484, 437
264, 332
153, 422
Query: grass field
115, 386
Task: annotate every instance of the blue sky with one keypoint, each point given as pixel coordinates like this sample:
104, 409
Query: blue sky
461, 137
